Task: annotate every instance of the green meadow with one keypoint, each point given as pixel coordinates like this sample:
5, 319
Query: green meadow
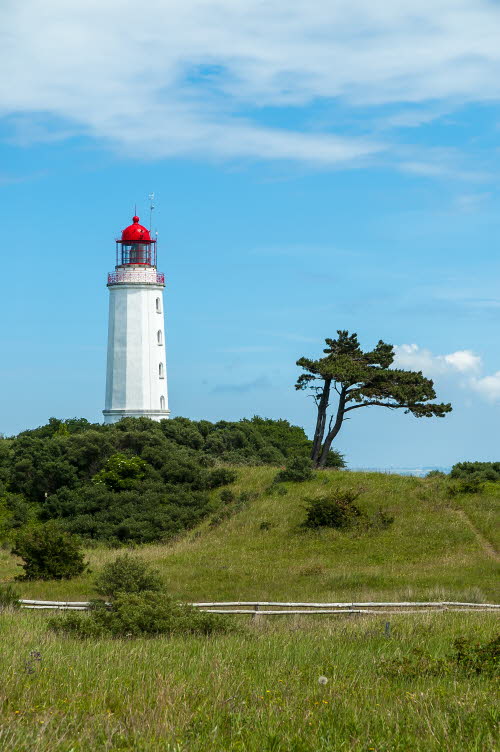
258, 689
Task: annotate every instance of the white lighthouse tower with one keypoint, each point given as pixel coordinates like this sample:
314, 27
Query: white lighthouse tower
136, 380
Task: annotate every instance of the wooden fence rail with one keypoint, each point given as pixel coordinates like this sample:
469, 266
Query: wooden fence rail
277, 608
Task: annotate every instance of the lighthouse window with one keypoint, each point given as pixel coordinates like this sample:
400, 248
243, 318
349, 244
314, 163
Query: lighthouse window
159, 337
158, 305
162, 403
161, 372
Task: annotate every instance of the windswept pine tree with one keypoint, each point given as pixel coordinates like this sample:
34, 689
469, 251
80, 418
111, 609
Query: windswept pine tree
361, 379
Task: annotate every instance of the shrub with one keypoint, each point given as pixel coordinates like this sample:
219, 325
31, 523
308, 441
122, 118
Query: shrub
127, 574
335, 460
336, 510
121, 472
477, 658
9, 597
148, 613
414, 664
467, 656
298, 469
227, 496
481, 470
470, 485
49, 553
221, 476
275, 489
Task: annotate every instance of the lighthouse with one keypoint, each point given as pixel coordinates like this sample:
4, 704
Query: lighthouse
136, 378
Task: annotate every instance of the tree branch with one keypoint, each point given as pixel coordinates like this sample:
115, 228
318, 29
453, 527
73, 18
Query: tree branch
369, 404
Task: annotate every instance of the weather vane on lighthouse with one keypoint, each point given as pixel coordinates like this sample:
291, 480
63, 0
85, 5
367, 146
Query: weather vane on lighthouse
136, 379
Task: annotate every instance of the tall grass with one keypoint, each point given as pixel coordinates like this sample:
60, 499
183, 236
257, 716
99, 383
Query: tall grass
256, 691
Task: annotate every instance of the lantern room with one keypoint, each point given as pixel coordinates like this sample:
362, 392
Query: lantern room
135, 246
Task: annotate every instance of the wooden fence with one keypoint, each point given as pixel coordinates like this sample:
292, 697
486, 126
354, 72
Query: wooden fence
276, 608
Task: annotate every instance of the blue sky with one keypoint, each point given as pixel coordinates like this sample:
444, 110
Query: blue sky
316, 166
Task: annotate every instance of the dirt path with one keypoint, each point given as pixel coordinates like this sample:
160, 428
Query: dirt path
485, 544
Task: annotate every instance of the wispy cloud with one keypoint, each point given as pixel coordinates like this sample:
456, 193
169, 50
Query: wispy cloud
193, 77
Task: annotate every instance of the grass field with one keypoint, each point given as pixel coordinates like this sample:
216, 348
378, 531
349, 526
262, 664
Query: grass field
258, 689
255, 691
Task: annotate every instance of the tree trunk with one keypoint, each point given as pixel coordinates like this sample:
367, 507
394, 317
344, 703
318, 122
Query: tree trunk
332, 434
321, 421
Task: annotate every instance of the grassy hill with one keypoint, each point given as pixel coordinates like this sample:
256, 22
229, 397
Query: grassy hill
257, 690
438, 547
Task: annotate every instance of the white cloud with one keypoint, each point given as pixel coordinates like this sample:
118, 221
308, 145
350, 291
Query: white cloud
414, 358
488, 387
192, 77
462, 363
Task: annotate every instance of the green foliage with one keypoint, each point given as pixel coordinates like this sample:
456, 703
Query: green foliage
477, 657
120, 472
127, 574
9, 597
135, 481
334, 460
149, 613
414, 664
481, 471
465, 485
336, 510
221, 476
49, 553
466, 656
298, 469
368, 379
435, 474
361, 379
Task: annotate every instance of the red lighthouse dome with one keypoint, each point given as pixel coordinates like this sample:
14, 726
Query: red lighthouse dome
136, 246
135, 233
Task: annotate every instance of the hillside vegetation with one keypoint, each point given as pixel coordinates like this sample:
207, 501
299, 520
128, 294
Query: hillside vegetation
254, 548
135, 481
277, 684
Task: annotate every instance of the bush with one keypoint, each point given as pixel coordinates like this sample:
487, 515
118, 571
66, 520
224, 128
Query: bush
121, 472
481, 470
477, 658
470, 485
49, 553
127, 574
221, 476
298, 469
9, 598
136, 480
227, 496
149, 613
466, 656
335, 460
336, 510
